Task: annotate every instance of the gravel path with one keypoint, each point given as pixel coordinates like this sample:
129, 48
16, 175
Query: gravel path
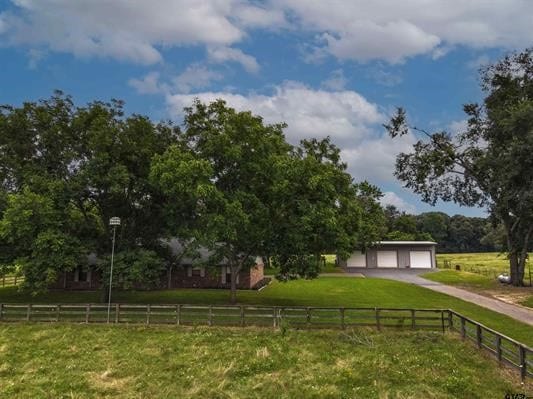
519, 313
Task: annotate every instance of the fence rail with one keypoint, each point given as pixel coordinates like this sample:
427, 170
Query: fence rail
10, 281
506, 350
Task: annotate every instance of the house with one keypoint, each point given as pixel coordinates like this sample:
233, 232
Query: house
186, 272
393, 255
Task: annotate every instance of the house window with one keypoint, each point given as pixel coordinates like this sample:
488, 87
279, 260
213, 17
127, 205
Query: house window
197, 271
82, 275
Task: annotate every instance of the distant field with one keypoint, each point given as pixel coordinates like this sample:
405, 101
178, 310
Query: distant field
488, 263
79, 361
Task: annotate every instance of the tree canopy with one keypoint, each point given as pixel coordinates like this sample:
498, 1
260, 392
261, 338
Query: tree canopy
226, 181
490, 164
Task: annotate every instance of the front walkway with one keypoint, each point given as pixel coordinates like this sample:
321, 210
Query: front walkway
519, 313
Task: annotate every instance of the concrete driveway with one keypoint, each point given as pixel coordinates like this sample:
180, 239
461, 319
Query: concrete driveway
519, 313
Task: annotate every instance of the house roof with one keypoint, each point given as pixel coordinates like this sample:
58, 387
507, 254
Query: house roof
406, 243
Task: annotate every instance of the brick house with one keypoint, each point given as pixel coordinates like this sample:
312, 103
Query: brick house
187, 273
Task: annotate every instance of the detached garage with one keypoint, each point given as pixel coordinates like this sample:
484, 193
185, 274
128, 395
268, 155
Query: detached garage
393, 255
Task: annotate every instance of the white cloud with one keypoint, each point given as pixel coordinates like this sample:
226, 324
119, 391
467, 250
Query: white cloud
195, 77
391, 198
478, 62
353, 123
225, 54
392, 30
336, 81
345, 115
362, 30
149, 84
133, 30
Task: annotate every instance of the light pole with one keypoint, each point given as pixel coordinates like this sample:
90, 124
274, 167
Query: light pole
114, 221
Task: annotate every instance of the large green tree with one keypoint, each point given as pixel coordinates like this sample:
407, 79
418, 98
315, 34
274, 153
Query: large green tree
490, 164
223, 171
64, 171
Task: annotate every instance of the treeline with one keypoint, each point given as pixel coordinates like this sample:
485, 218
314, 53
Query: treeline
456, 233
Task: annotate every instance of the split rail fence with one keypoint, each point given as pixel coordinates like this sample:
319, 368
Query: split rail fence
505, 350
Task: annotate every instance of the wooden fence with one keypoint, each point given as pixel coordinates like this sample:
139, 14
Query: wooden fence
505, 349
10, 281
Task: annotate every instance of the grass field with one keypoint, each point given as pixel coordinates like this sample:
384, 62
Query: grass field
487, 263
324, 291
78, 361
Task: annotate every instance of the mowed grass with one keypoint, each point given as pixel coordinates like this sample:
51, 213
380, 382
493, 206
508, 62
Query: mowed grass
460, 278
80, 361
323, 291
489, 263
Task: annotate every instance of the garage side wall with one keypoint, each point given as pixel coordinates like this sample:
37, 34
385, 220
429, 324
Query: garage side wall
403, 255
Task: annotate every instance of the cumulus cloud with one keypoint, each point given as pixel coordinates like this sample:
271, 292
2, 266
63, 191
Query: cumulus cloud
353, 123
336, 81
380, 29
132, 30
391, 198
138, 30
225, 54
149, 84
195, 77
344, 115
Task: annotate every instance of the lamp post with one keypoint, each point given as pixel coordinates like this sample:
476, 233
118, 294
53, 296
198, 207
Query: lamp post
114, 221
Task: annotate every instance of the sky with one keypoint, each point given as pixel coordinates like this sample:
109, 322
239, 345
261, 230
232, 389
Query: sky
333, 68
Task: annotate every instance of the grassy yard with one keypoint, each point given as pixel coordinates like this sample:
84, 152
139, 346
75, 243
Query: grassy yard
490, 264
483, 285
324, 291
79, 361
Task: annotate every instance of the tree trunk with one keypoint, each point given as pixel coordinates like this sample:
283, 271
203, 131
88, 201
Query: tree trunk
517, 253
233, 288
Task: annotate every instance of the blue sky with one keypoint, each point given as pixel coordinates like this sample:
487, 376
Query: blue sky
334, 68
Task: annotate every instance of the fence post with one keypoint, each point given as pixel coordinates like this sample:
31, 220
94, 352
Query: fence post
210, 317
463, 328
307, 316
242, 316
1, 310
378, 323
523, 363
148, 311
178, 314
57, 312
275, 317
478, 335
87, 313
117, 312
3, 281
499, 348
15, 283
413, 319
28, 314
343, 325
442, 320
450, 320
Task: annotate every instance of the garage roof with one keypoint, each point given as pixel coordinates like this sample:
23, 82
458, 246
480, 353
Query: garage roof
406, 243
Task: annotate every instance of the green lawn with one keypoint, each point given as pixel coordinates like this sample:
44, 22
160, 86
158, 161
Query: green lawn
324, 291
488, 263
80, 361
463, 279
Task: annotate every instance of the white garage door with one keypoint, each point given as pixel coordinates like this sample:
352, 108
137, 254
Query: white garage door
420, 259
387, 259
358, 259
